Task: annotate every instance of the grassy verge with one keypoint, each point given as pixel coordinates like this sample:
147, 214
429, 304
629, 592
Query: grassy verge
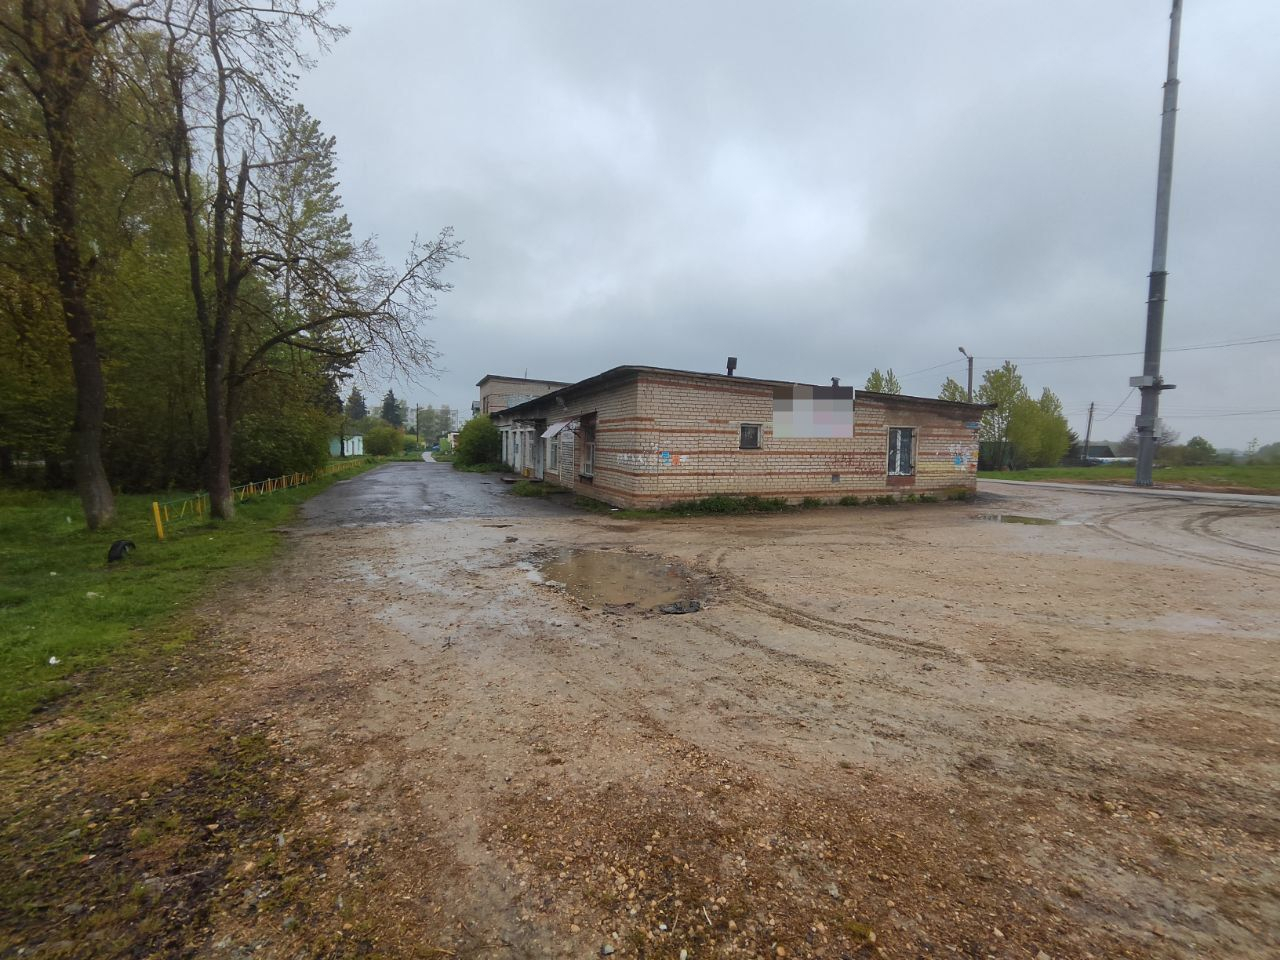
528, 488
65, 610
148, 805
1243, 478
482, 467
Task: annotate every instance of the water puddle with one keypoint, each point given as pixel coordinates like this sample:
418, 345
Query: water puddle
1031, 521
605, 578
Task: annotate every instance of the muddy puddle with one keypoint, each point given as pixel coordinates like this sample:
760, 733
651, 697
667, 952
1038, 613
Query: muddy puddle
604, 578
1030, 521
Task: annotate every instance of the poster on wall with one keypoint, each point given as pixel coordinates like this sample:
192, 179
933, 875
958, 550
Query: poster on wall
803, 411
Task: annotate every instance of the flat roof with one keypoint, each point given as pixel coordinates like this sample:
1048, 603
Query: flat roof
619, 373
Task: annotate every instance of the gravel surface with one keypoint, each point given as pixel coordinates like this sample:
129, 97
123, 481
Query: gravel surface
908, 731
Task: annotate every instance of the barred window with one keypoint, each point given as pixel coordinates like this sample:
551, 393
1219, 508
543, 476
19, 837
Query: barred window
902, 451
749, 436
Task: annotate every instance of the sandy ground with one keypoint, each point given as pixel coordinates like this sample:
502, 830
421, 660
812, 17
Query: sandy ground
902, 732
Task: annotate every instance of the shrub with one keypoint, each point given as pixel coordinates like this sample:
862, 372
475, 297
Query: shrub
265, 446
810, 503
849, 501
726, 504
886, 499
928, 498
479, 442
383, 441
529, 488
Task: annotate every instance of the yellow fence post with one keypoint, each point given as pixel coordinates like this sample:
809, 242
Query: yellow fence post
155, 511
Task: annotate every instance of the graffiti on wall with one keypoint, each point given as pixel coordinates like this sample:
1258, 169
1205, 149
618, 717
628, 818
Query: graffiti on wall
961, 455
658, 458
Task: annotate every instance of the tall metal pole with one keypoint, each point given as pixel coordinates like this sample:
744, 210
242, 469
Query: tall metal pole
1150, 383
970, 359
1088, 435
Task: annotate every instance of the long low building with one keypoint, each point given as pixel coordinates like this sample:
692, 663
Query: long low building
638, 436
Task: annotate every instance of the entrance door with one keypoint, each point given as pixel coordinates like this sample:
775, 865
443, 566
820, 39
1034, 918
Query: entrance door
539, 448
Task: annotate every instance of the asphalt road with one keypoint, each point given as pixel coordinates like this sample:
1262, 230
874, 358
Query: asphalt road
398, 493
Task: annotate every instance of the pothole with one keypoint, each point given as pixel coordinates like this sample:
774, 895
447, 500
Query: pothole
614, 579
1032, 521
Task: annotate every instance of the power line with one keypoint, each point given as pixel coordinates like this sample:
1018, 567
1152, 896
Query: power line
1118, 406
1264, 338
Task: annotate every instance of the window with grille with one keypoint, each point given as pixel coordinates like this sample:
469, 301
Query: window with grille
902, 451
749, 436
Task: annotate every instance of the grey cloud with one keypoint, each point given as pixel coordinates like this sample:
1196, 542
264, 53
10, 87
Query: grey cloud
823, 188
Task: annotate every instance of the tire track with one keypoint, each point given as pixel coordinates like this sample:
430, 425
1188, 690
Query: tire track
1105, 525
1203, 524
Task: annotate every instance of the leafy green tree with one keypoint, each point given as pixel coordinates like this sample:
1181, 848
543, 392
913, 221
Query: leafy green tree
1199, 452
355, 407
391, 410
886, 382
383, 441
1038, 431
479, 442
953, 391
1002, 386
227, 74
1267, 453
51, 54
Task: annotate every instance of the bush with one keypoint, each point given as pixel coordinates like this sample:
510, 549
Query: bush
479, 442
886, 499
726, 504
849, 501
265, 446
530, 488
383, 441
810, 503
928, 498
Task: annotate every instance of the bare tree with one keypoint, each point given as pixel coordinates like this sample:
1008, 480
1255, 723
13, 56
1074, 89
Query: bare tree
240, 156
50, 49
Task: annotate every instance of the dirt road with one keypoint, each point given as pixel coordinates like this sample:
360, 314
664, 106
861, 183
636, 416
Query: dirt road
912, 731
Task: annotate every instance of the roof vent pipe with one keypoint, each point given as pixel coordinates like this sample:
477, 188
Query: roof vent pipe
731, 366
835, 381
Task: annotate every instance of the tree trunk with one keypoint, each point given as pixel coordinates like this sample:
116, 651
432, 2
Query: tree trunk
73, 290
218, 473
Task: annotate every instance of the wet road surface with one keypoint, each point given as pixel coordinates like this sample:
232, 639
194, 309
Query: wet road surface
399, 493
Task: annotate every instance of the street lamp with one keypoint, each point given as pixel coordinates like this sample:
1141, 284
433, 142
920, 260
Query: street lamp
970, 359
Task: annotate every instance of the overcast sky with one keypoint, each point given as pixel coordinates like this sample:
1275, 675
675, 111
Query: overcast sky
820, 188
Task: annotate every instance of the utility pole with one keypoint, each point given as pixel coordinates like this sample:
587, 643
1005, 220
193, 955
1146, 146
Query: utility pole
1088, 435
1151, 383
970, 359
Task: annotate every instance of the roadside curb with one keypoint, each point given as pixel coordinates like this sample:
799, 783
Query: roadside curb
1253, 499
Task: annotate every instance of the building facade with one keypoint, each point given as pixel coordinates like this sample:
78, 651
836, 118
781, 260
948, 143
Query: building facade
649, 437
497, 393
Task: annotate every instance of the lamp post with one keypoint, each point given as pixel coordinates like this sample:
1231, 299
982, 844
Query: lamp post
969, 357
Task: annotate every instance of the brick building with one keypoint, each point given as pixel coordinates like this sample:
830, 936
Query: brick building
648, 437
498, 393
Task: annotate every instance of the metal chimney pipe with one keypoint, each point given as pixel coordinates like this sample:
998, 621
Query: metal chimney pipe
731, 366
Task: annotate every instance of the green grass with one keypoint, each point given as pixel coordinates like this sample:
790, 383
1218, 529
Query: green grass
60, 599
482, 467
528, 488
1255, 478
